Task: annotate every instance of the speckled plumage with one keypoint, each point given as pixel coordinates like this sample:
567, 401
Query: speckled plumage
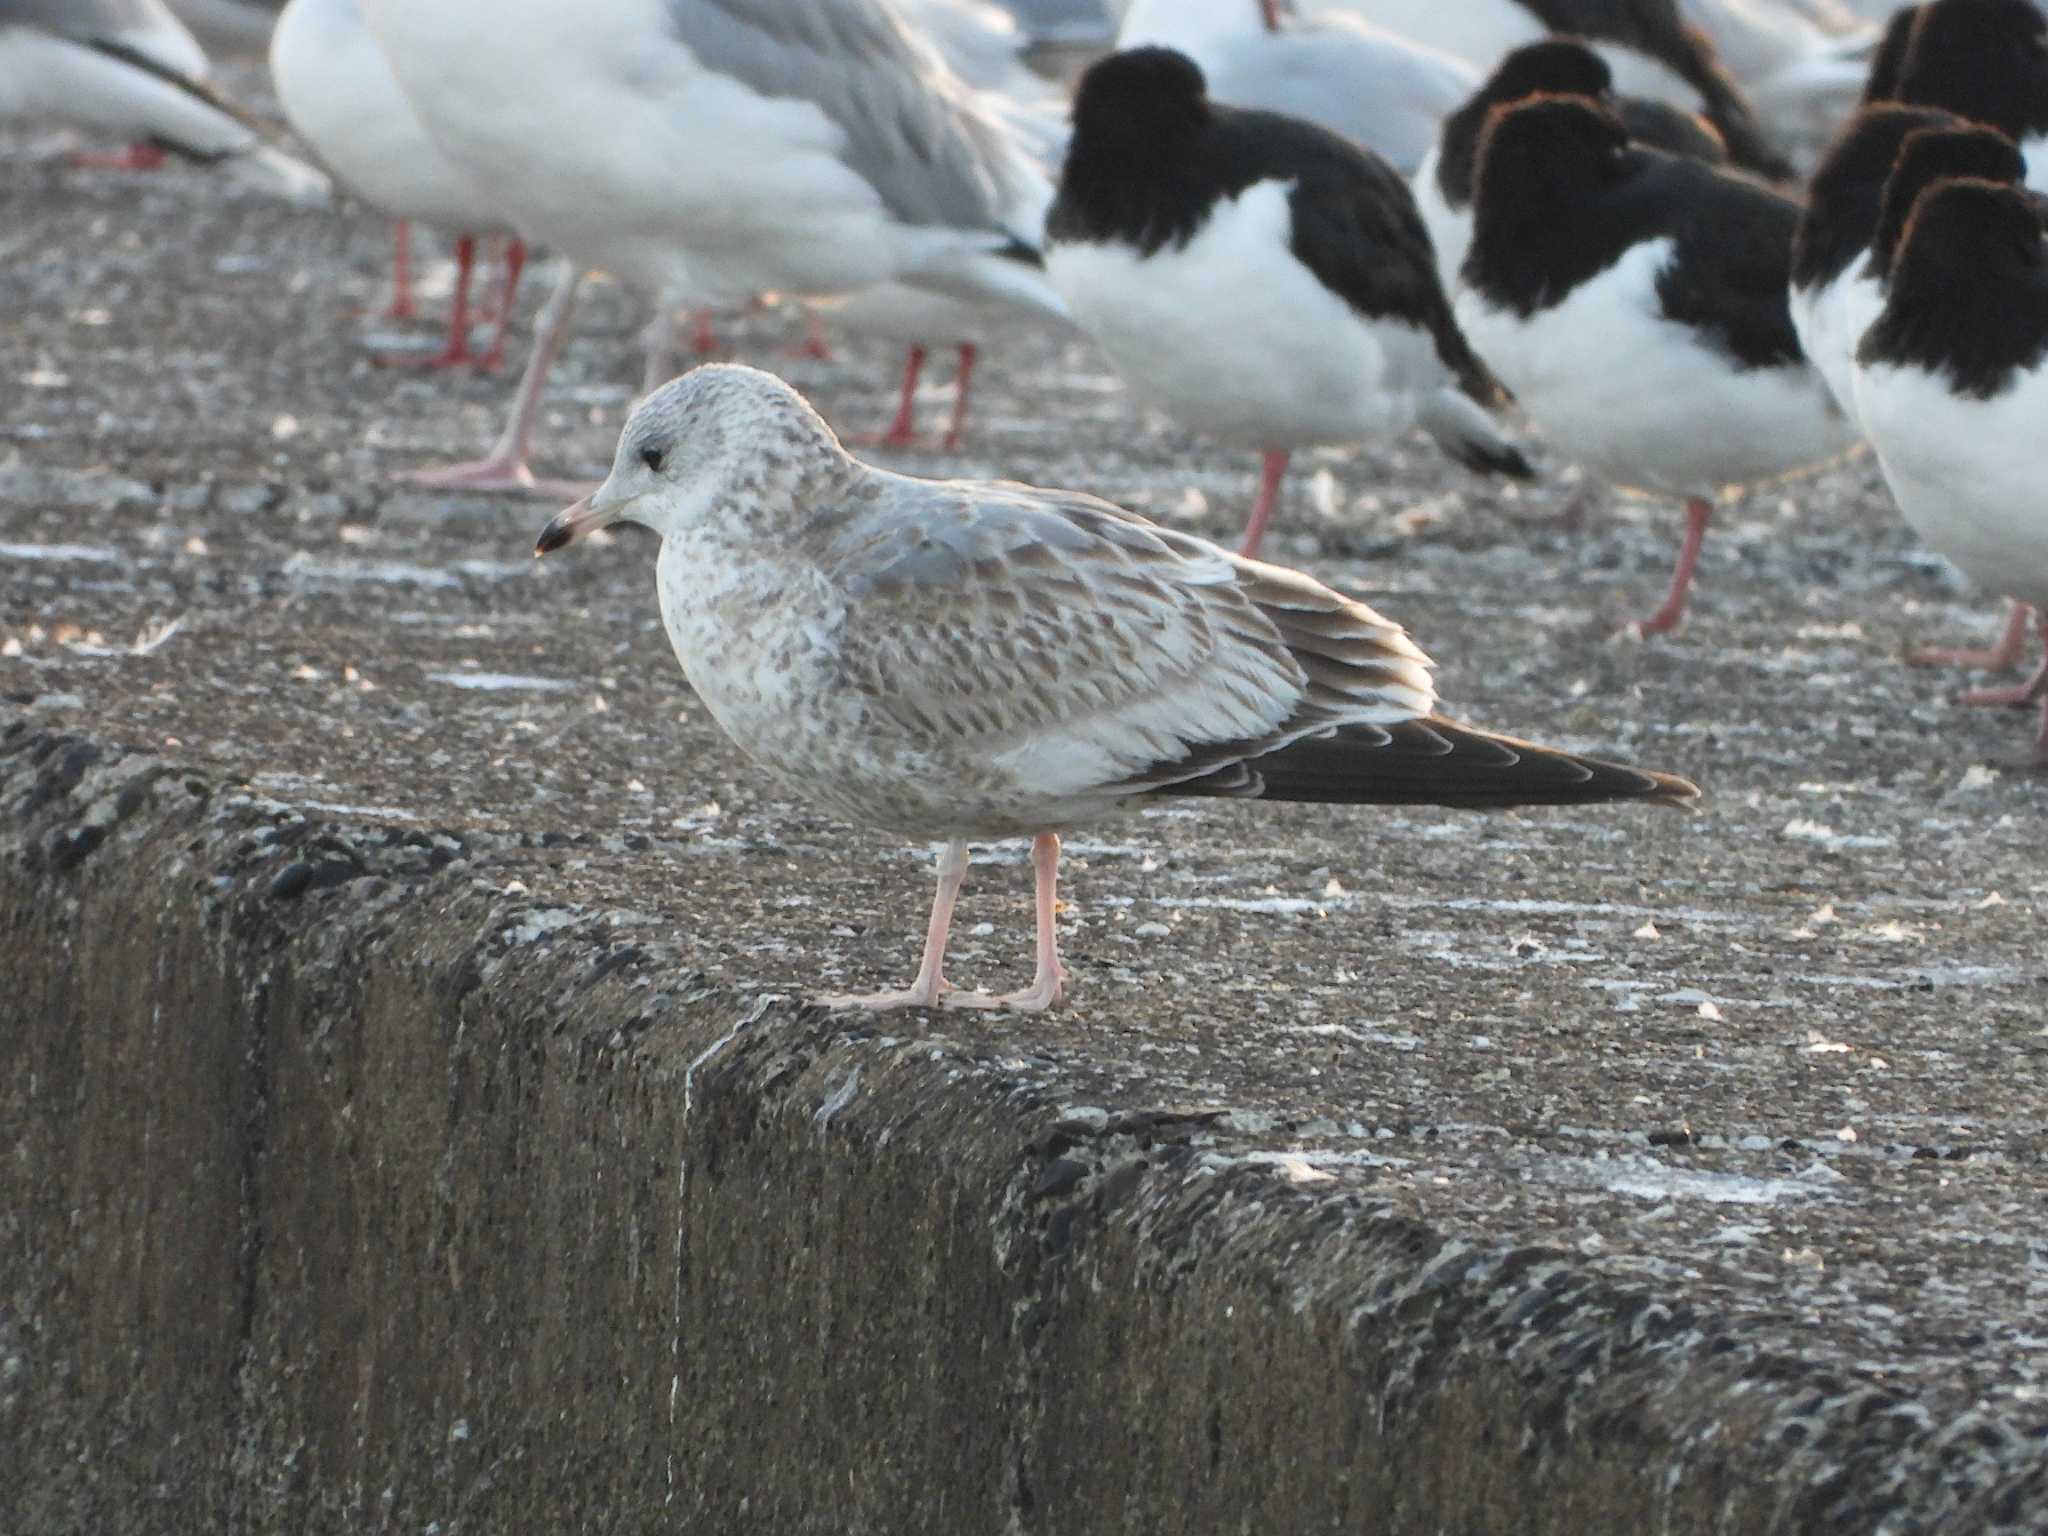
954, 659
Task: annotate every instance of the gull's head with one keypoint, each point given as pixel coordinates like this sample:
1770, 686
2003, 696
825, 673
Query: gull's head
693, 443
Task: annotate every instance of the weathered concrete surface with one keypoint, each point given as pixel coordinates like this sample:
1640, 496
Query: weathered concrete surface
1571, 1172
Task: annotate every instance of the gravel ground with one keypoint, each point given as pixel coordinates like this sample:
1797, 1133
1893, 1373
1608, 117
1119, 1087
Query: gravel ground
1785, 1057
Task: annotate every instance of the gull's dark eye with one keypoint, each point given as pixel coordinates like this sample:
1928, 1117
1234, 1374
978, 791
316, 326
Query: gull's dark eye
652, 458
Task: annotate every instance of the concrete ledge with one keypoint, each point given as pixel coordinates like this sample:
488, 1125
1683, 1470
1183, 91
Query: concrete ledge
337, 1202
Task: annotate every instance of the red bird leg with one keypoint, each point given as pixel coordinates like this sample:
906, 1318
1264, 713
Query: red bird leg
2020, 694
456, 351
703, 339
2002, 653
136, 157
1270, 10
814, 345
1698, 513
901, 433
401, 306
961, 382
515, 263
1274, 467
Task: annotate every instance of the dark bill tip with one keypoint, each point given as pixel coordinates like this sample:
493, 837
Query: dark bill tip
565, 527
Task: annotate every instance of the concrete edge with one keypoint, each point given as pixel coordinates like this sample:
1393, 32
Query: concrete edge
350, 1195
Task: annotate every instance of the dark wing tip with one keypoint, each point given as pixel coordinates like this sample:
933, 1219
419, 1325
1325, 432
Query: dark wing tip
1506, 460
1435, 761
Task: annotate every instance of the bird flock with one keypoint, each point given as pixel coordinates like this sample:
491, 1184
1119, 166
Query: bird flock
1688, 246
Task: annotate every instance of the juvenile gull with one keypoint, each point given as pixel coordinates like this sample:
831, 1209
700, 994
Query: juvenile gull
970, 659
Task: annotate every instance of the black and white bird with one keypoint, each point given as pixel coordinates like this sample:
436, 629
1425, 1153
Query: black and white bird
1647, 43
1986, 60
1927, 156
1936, 152
1888, 58
1556, 66
1831, 248
1363, 81
1635, 302
1952, 386
1266, 281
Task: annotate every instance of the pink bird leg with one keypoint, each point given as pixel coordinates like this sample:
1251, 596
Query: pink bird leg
902, 432
504, 468
932, 990
401, 306
815, 345
1048, 984
931, 987
2004, 652
2019, 696
1698, 513
136, 157
1271, 471
957, 427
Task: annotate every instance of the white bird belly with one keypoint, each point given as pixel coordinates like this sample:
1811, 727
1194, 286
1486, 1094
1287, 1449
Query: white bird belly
1827, 320
1450, 229
1640, 400
1234, 337
1965, 472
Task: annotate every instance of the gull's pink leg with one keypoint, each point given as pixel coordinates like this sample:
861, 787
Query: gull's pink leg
961, 380
401, 306
930, 986
136, 157
703, 339
2003, 652
1047, 983
2033, 691
456, 352
901, 433
504, 467
1274, 466
515, 263
1698, 513
815, 344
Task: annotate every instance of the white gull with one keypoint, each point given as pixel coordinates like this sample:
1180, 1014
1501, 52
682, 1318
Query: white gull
340, 96
129, 67
721, 148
